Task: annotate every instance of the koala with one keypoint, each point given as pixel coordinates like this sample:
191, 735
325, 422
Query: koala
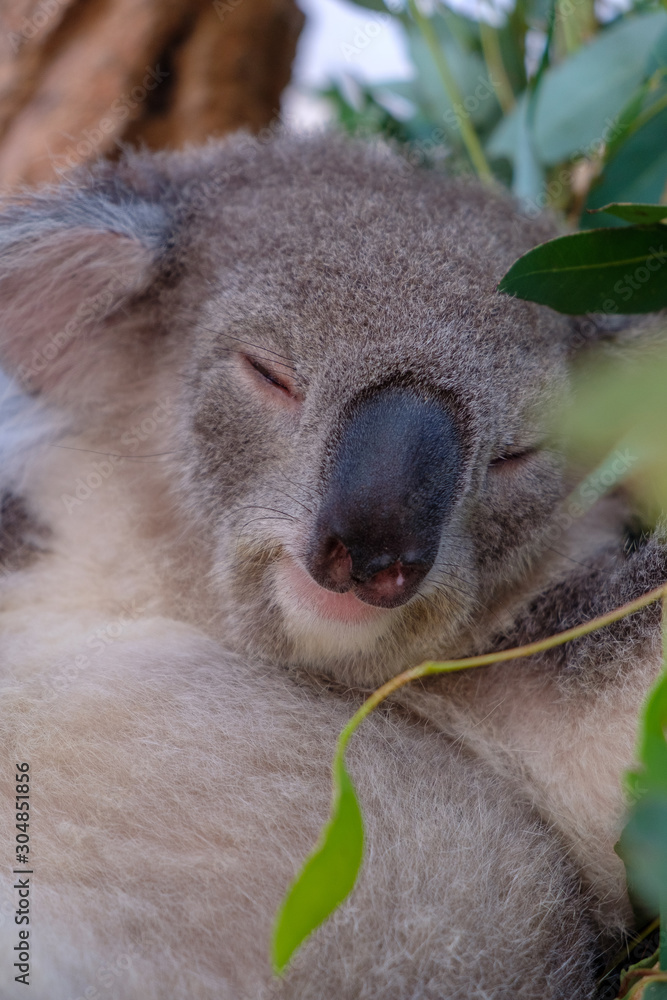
290, 442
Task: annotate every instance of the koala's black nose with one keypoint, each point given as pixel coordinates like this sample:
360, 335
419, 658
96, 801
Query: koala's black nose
388, 489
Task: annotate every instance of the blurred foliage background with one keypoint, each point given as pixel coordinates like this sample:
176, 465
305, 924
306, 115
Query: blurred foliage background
565, 101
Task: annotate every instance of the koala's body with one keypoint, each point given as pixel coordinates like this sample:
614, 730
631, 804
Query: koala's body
298, 446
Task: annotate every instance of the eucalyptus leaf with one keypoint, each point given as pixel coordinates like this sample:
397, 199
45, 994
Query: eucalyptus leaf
619, 409
643, 844
655, 991
626, 120
328, 875
528, 179
651, 777
643, 848
658, 58
579, 100
604, 270
638, 170
632, 212
480, 104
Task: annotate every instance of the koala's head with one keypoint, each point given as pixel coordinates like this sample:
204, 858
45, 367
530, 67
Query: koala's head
360, 419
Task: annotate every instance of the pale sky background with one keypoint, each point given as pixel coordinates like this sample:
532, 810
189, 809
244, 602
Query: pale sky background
342, 38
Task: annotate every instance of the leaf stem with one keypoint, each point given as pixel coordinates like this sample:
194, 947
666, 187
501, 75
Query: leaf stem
431, 667
493, 58
286, 938
468, 134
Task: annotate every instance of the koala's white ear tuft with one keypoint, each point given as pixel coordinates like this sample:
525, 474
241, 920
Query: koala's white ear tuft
67, 262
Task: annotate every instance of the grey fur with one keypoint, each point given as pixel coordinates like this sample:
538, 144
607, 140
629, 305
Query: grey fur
344, 270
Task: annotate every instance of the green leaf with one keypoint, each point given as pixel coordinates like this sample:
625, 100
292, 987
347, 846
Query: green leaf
658, 57
643, 843
619, 410
328, 875
655, 991
469, 71
604, 270
643, 848
579, 100
626, 120
632, 212
638, 171
528, 180
652, 750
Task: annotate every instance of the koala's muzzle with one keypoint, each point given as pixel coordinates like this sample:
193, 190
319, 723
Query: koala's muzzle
389, 487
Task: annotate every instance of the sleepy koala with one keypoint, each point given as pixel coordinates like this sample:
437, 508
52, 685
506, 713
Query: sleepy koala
299, 443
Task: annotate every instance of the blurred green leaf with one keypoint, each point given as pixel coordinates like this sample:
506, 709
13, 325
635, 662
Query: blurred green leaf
579, 100
651, 777
604, 270
479, 103
365, 114
643, 848
620, 409
632, 212
327, 877
658, 57
528, 179
638, 170
655, 991
626, 120
643, 844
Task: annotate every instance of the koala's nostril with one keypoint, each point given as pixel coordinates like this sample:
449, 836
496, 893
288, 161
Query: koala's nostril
394, 585
381, 580
334, 569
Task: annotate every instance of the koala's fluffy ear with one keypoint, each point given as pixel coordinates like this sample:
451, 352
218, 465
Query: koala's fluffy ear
69, 258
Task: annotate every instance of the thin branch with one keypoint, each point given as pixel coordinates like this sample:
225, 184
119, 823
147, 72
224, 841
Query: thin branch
468, 134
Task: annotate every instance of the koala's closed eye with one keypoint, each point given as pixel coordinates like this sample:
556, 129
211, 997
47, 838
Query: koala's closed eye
272, 375
511, 457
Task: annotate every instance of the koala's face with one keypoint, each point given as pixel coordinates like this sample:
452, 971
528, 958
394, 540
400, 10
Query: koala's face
366, 417
362, 419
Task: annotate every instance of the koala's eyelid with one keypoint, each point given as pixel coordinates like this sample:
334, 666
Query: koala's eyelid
512, 453
268, 372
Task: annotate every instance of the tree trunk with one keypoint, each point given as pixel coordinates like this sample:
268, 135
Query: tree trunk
79, 76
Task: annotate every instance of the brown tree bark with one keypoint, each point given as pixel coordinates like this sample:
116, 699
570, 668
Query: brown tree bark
79, 76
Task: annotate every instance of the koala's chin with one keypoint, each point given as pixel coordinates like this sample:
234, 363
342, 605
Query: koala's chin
322, 622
